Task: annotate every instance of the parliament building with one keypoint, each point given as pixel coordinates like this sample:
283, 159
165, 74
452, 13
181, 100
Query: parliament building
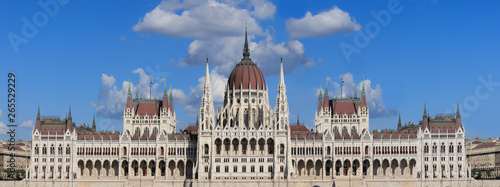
247, 142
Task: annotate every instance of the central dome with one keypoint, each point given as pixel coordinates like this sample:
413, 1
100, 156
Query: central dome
246, 74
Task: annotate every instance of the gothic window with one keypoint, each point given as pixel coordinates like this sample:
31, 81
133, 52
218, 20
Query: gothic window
205, 148
426, 148
227, 144
262, 142
146, 131
335, 130
235, 144
434, 148
252, 144
155, 130
353, 130
282, 149
244, 144
218, 145
344, 131
245, 118
138, 132
270, 146
451, 148
443, 148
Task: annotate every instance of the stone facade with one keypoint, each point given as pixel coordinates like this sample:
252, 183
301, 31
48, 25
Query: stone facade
484, 156
14, 156
247, 142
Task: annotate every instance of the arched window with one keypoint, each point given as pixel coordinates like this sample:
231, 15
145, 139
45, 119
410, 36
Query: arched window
218, 145
434, 148
426, 148
262, 142
353, 130
459, 149
244, 144
162, 151
227, 144
451, 148
252, 144
270, 146
124, 150
206, 149
443, 148
146, 132
155, 131
68, 150
235, 144
328, 150
282, 149
138, 132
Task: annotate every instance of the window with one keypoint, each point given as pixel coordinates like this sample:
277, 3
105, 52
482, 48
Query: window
217, 169
235, 169
281, 169
261, 169
206, 149
206, 169
226, 169
244, 169
252, 169
426, 148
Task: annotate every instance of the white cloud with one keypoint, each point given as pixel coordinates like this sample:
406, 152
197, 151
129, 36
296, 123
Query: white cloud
226, 52
27, 124
0, 114
113, 98
201, 19
325, 23
3, 128
373, 94
123, 38
217, 30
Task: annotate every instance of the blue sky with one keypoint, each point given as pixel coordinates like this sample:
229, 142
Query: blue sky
83, 54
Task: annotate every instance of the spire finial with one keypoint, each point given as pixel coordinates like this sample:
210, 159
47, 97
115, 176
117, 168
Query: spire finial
93, 123
69, 113
38, 118
282, 75
298, 121
458, 110
246, 51
165, 94
170, 98
399, 121
363, 89
129, 94
425, 110
355, 91
137, 92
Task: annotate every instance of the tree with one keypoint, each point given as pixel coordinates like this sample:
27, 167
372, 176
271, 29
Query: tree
479, 175
488, 173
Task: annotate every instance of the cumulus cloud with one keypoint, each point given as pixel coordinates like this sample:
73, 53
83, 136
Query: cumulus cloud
27, 124
217, 30
373, 93
192, 100
3, 128
226, 52
325, 23
113, 98
201, 19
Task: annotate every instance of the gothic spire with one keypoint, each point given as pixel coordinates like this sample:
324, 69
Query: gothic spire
165, 93
399, 121
38, 117
69, 114
137, 92
207, 76
355, 91
129, 94
425, 111
363, 89
93, 123
246, 51
282, 76
458, 111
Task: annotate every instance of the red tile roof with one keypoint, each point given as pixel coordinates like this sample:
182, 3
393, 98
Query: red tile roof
489, 144
298, 128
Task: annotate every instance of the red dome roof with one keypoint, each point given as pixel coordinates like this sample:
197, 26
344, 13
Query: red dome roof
245, 73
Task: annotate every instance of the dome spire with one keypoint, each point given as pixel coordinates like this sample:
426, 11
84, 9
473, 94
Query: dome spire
246, 51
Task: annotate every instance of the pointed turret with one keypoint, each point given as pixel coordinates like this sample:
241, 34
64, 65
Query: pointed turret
165, 96
281, 107
458, 118
93, 124
129, 96
171, 101
363, 93
282, 76
399, 122
38, 117
425, 112
355, 92
70, 118
298, 121
326, 100
137, 92
207, 104
320, 99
